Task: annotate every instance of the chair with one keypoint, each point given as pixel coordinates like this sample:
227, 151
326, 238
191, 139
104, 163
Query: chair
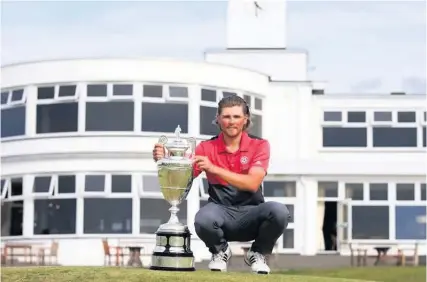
50, 252
117, 252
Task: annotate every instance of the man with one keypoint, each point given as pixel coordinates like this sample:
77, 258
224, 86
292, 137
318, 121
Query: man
235, 164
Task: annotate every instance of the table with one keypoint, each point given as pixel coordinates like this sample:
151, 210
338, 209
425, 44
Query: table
135, 256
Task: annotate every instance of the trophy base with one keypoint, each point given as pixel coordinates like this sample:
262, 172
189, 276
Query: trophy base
172, 251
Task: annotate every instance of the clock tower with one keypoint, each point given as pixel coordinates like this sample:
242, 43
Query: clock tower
256, 24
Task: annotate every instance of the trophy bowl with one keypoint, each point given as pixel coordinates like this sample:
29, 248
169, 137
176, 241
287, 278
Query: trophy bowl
175, 174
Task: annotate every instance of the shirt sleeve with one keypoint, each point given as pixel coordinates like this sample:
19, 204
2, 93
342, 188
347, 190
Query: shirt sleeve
262, 156
199, 152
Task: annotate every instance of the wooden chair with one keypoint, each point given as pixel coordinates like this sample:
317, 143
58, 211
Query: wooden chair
48, 252
118, 253
413, 259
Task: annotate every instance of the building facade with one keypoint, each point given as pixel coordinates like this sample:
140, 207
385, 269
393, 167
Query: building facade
77, 137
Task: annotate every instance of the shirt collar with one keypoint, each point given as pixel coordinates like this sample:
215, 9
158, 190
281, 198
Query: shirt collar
244, 143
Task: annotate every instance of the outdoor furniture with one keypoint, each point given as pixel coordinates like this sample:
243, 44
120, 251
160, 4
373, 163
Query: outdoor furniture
50, 252
403, 259
112, 251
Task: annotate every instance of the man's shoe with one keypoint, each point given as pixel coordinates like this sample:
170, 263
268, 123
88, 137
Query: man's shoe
220, 260
257, 262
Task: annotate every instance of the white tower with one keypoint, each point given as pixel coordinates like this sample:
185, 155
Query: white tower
256, 24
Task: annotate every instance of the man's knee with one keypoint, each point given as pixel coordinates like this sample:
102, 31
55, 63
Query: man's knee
278, 213
207, 219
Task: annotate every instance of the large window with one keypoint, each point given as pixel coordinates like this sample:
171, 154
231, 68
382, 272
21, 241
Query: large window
108, 204
12, 206
57, 109
54, 204
163, 108
396, 210
377, 129
13, 112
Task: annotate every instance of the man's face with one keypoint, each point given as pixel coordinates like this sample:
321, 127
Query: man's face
232, 120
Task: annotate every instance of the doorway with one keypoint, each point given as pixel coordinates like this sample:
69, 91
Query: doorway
327, 215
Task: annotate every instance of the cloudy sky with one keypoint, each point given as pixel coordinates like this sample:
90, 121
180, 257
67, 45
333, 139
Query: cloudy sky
356, 46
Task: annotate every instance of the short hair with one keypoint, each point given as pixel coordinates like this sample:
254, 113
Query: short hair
233, 101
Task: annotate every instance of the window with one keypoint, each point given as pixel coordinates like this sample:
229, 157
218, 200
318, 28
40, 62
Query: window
153, 91
406, 116
288, 239
395, 137
47, 92
344, 137
67, 91
107, 216
424, 136
258, 104
164, 117
12, 207
110, 116
405, 191
207, 118
353, 117
332, 116
122, 90
383, 116
95, 183
56, 118
327, 189
226, 94
55, 203
411, 223
378, 191
256, 126
279, 188
354, 191
376, 228
13, 113
423, 191
96, 90
209, 95
121, 183
178, 92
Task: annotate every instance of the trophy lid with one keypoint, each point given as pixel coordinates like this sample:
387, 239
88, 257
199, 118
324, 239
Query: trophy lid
177, 144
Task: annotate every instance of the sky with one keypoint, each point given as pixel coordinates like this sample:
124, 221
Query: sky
355, 46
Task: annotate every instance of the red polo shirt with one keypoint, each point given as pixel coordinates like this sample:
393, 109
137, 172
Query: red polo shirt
253, 151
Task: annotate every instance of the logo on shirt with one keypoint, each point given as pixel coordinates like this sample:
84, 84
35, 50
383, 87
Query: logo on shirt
244, 160
258, 163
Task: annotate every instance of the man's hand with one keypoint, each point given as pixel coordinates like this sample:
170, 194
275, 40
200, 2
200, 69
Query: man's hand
158, 152
204, 164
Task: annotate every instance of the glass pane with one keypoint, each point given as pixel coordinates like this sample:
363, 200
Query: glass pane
423, 191
155, 212
55, 216
394, 137
405, 192
247, 98
95, 183
13, 121
226, 94
424, 136
107, 216
67, 90
356, 117
122, 89
291, 210
66, 184
354, 191
121, 183
377, 227
16, 187
327, 189
96, 90
153, 91
378, 191
406, 116
178, 92
279, 188
110, 116
256, 126
383, 116
164, 117
41, 184
150, 183
17, 95
207, 117
46, 92
208, 95
12, 218
344, 137
4, 97
332, 116
258, 104
411, 222
288, 239
56, 118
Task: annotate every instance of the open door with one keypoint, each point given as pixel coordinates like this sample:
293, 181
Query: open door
343, 224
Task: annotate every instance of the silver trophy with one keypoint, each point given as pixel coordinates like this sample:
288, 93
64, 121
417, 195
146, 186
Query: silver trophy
175, 174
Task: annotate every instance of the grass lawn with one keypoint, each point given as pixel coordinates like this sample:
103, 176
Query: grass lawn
105, 274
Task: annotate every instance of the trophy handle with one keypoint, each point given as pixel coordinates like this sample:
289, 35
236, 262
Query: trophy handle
163, 140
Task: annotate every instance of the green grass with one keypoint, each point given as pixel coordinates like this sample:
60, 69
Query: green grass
106, 274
